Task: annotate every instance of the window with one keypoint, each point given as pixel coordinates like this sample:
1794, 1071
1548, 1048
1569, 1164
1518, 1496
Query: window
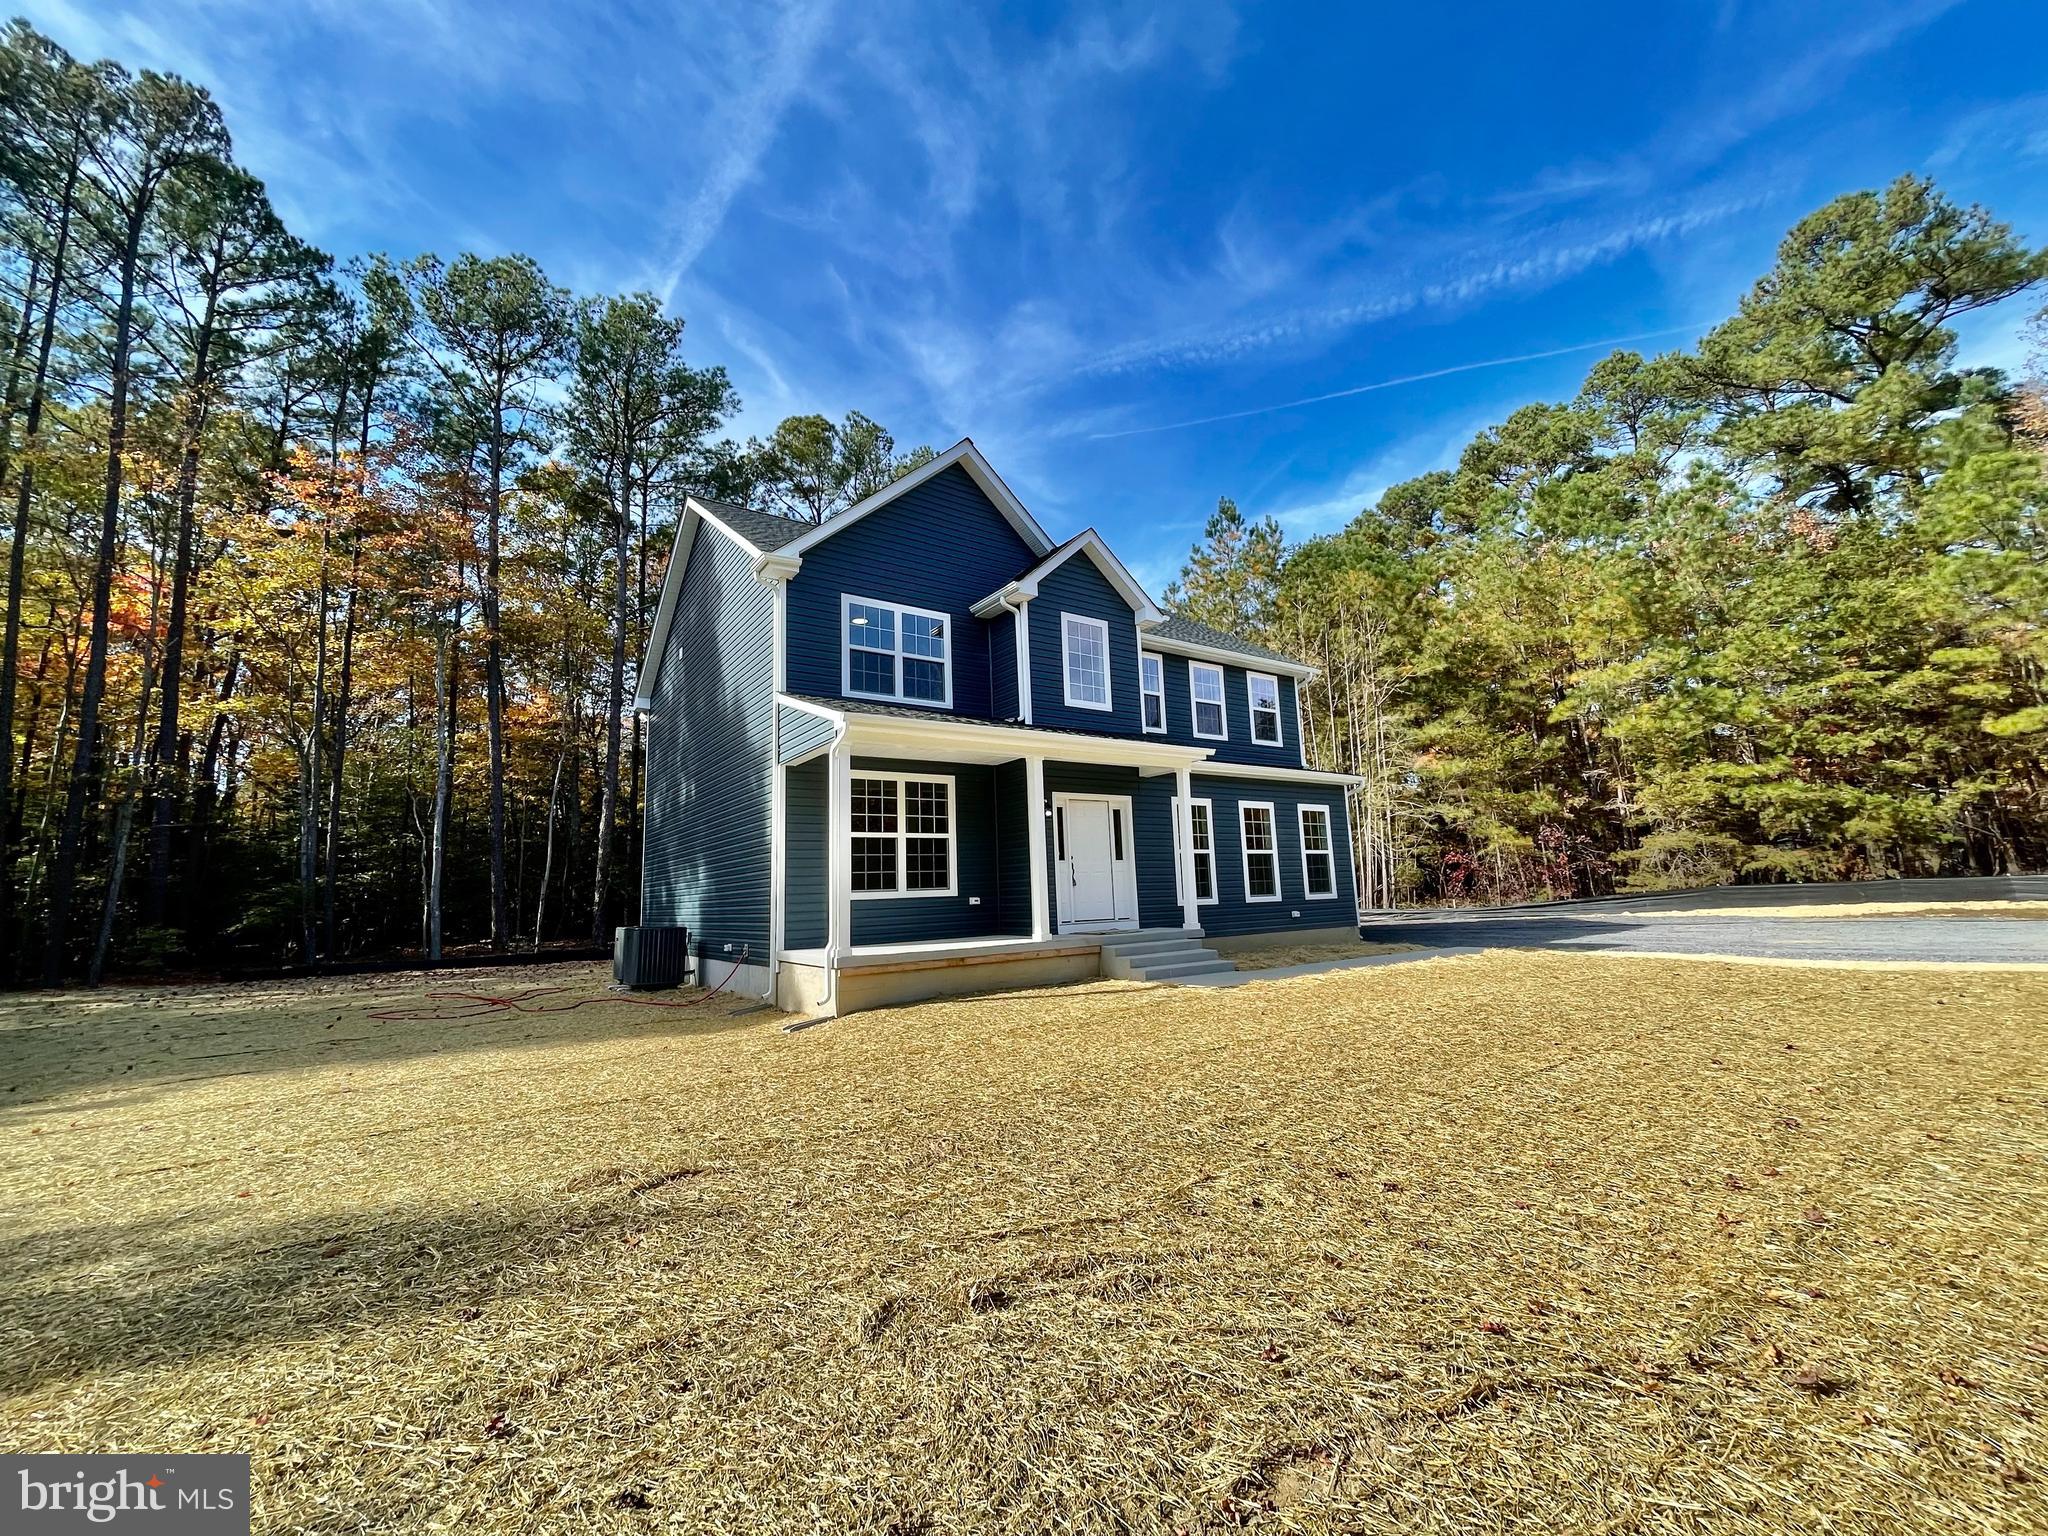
1086, 643
1205, 695
1205, 852
902, 835
1264, 690
1261, 851
1152, 688
1318, 856
894, 652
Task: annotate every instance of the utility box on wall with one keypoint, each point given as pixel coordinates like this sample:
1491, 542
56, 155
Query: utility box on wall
651, 959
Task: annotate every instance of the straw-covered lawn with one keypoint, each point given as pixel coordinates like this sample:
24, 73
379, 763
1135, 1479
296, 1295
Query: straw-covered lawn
1266, 957
1518, 1242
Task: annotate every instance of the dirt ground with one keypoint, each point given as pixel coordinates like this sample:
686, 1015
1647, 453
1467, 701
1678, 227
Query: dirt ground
1515, 1242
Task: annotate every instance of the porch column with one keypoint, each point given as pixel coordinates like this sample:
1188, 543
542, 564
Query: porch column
839, 855
1184, 811
1034, 815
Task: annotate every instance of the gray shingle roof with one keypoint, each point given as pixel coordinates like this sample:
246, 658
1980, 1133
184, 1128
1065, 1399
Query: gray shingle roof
1190, 632
763, 530
945, 716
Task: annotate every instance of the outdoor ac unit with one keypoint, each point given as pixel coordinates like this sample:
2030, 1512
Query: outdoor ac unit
651, 958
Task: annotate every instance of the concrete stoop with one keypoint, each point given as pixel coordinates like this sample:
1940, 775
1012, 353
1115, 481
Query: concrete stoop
1179, 958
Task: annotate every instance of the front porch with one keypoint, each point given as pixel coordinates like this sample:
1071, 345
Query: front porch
924, 857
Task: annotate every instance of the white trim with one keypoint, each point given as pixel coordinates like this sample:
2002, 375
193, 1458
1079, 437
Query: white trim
1244, 849
1038, 812
1280, 775
1222, 702
1145, 693
839, 859
900, 610
890, 735
1215, 880
1229, 658
903, 834
1068, 622
1251, 707
769, 567
1300, 731
836, 716
1123, 872
1301, 815
1087, 542
978, 469
1023, 612
778, 828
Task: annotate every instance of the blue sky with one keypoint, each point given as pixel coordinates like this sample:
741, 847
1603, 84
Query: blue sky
1119, 246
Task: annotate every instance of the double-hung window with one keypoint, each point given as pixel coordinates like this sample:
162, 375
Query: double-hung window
1205, 699
1152, 691
1199, 824
1318, 854
1263, 690
897, 652
1261, 850
902, 835
1085, 645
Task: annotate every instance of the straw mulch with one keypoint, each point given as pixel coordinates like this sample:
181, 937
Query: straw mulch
1271, 956
1517, 1242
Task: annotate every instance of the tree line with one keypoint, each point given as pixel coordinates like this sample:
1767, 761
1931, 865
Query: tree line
1771, 608
325, 582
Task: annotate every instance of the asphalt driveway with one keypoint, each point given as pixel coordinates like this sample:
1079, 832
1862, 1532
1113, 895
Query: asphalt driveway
1591, 927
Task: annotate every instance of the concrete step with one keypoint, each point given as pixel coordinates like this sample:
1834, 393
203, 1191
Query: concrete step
1181, 970
1145, 943
1150, 961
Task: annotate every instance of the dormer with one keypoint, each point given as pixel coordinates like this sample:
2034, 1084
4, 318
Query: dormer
1067, 630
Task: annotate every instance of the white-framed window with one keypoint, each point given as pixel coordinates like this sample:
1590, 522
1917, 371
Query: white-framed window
1152, 692
1205, 701
1261, 846
1262, 689
894, 651
1318, 853
1202, 821
903, 835
1084, 642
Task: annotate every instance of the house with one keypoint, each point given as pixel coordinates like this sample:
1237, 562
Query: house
922, 748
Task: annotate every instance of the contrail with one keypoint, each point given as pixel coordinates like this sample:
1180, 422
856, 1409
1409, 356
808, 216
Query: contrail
1406, 378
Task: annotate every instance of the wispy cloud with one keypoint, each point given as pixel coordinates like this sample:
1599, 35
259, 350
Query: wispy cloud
744, 124
1396, 383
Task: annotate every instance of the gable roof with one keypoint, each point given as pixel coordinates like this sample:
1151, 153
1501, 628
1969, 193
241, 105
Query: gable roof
1087, 542
1190, 637
762, 531
978, 469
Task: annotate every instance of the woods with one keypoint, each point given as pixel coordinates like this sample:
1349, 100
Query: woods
1770, 609
325, 580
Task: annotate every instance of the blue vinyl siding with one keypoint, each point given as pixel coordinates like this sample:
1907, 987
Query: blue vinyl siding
1077, 587
1002, 669
1013, 849
709, 736
1237, 710
1232, 913
803, 732
941, 546
911, 919
806, 811
1151, 810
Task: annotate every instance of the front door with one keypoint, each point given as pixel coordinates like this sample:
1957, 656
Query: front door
1092, 861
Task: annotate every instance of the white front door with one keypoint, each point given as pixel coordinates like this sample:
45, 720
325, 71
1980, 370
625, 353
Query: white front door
1093, 866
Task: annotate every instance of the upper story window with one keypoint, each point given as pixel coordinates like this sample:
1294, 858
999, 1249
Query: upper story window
1085, 642
897, 652
1205, 697
1264, 689
1152, 689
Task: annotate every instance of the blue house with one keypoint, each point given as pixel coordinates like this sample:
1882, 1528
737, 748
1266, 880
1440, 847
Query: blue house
922, 748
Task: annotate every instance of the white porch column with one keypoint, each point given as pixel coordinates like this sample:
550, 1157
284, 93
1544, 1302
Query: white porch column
839, 856
1034, 795
1184, 811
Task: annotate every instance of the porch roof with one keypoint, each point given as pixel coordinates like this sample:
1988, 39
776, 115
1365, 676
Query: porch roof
874, 726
